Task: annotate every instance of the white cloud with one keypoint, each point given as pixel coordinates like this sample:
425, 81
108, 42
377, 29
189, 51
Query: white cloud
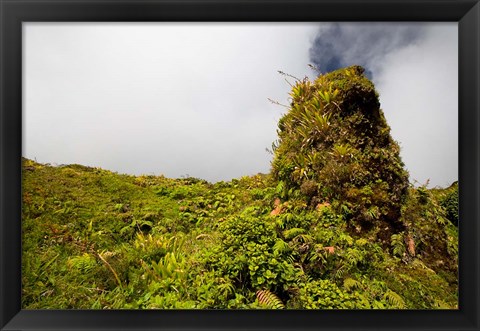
418, 88
164, 98
177, 98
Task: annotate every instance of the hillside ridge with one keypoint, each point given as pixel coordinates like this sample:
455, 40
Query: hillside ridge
335, 225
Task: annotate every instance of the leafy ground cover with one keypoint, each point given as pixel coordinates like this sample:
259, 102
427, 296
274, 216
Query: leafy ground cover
96, 239
335, 225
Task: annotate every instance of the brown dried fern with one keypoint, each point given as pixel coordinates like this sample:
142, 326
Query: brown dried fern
269, 299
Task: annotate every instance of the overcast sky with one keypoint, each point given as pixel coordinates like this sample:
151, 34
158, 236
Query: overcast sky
192, 99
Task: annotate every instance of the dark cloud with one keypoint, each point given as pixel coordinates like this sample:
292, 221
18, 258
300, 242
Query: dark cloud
337, 45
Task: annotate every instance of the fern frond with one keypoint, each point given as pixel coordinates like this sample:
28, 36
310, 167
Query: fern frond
227, 288
353, 257
303, 238
281, 246
394, 299
361, 242
84, 263
352, 284
269, 299
318, 254
338, 274
292, 233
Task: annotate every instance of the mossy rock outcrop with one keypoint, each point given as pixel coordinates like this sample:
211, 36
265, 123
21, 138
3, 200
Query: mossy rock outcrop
335, 145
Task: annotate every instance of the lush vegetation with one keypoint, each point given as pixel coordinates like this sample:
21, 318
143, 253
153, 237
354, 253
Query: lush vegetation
335, 225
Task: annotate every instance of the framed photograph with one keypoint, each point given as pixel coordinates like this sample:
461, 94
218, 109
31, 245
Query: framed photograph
241, 164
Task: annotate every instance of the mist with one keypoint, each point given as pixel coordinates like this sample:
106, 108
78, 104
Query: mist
191, 99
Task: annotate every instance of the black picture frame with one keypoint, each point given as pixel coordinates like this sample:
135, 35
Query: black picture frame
14, 12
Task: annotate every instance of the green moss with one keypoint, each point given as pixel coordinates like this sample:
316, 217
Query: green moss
336, 136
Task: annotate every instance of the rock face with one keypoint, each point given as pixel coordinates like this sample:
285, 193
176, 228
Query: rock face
335, 145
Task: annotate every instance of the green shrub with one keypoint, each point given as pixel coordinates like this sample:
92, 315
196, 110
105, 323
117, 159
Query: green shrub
325, 294
248, 257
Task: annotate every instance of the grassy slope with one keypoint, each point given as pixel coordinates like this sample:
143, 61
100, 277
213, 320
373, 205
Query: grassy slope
96, 239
